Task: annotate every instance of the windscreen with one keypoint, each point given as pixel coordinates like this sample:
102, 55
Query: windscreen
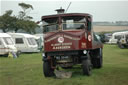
8, 41
73, 22
31, 41
50, 24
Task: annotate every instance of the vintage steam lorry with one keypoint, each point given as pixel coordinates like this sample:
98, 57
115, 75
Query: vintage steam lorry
69, 40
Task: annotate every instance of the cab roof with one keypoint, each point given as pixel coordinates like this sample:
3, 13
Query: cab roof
66, 14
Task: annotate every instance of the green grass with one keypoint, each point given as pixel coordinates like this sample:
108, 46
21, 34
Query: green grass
27, 70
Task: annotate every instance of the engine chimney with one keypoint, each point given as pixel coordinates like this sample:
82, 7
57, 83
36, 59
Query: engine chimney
60, 11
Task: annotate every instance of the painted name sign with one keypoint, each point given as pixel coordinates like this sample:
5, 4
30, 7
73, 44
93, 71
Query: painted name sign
61, 45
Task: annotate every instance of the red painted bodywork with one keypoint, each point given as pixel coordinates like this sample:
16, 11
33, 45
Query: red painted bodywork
73, 39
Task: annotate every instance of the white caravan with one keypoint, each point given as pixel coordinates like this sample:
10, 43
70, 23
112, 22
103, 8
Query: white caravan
116, 35
25, 42
39, 40
6, 44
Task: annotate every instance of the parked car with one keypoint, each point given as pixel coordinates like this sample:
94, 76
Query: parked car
116, 36
123, 41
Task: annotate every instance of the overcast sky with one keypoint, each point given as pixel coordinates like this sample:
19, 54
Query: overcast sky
101, 10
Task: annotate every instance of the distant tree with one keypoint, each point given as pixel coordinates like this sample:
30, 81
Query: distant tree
26, 10
27, 25
7, 21
32, 26
23, 21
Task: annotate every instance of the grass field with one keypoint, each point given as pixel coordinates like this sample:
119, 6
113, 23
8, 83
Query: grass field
27, 70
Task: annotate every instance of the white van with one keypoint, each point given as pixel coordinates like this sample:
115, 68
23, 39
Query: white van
116, 35
6, 44
25, 42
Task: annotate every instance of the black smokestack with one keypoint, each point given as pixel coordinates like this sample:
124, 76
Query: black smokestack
60, 11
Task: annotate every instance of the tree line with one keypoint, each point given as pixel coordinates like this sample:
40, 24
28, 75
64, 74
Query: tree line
22, 21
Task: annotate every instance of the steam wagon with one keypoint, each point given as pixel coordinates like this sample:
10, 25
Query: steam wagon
69, 40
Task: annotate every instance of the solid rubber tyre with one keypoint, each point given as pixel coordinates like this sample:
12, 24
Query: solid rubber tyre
86, 65
48, 72
98, 62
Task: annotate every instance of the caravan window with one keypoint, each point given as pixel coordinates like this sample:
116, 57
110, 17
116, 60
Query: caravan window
31, 41
19, 41
8, 40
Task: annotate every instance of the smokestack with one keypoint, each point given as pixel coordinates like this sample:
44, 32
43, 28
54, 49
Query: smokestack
60, 11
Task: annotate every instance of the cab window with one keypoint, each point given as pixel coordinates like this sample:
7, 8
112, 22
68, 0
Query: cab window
96, 37
73, 22
50, 24
89, 24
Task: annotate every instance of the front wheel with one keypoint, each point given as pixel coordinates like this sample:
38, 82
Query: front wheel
48, 71
86, 65
98, 62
